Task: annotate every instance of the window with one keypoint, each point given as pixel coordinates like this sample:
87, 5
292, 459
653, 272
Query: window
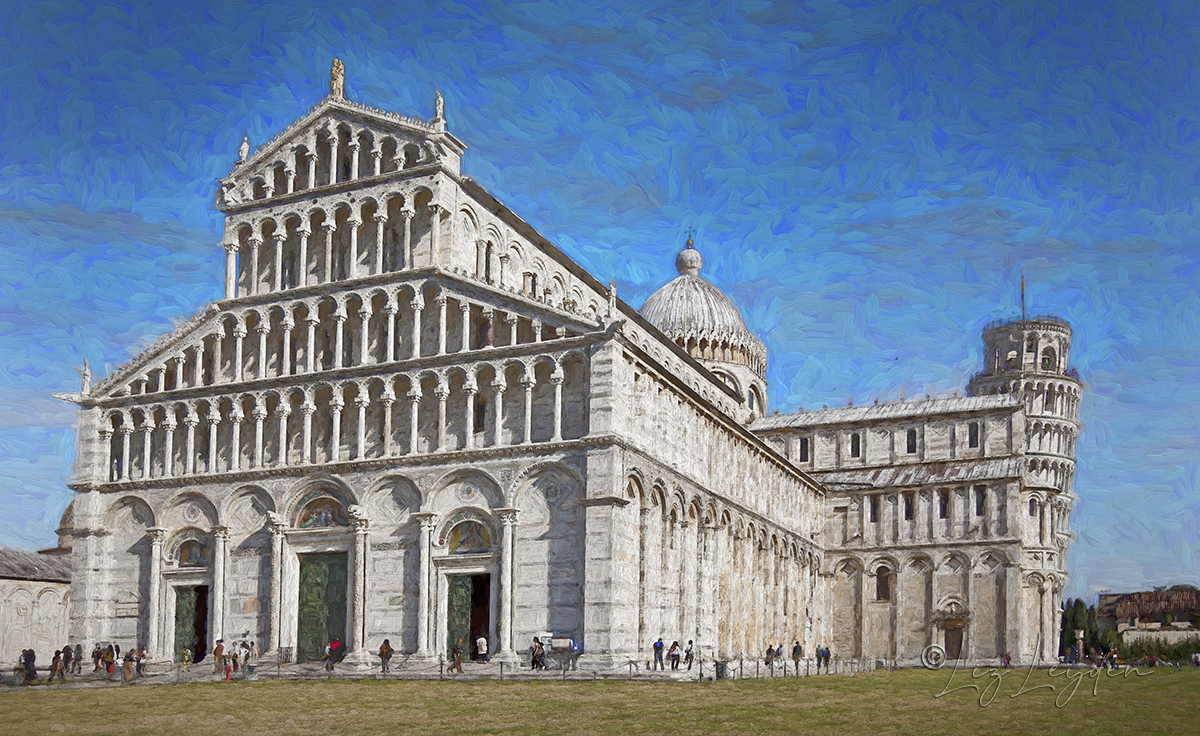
980, 500
912, 441
1032, 507
803, 449
943, 504
855, 445
973, 434
874, 508
908, 507
883, 584
480, 415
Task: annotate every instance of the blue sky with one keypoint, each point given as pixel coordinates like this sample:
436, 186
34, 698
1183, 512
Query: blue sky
867, 180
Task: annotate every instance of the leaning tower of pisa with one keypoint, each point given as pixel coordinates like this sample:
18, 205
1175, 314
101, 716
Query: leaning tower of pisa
1029, 358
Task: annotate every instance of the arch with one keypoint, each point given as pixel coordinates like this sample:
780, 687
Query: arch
189, 547
139, 512
307, 489
245, 513
474, 487
190, 508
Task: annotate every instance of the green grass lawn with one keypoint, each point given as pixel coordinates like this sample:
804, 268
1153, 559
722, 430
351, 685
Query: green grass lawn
881, 703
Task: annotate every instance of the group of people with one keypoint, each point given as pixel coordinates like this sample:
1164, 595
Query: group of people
227, 660
106, 659
672, 655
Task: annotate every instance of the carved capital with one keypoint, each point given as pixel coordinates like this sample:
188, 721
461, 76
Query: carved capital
426, 519
254, 241
220, 532
507, 516
156, 535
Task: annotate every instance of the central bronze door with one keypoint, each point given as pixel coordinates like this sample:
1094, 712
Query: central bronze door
322, 615
954, 642
468, 607
191, 621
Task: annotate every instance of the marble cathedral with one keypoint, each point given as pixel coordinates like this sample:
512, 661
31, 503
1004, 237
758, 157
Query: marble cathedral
413, 417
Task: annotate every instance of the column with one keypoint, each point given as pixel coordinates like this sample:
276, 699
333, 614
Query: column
387, 399
427, 521
231, 250
329, 228
417, 304
260, 416
239, 334
508, 521
465, 308
339, 318
364, 342
277, 268
503, 268
307, 409
435, 225
198, 365
252, 286
498, 387
179, 361
390, 351
537, 330
311, 344
302, 266
440, 301
376, 155
214, 418
469, 420
353, 146
274, 523
511, 319
263, 329
285, 347
220, 543
379, 220
972, 607
352, 269
335, 433
106, 434
414, 400
217, 337
169, 444
282, 412
556, 379
154, 595
408, 215
235, 450
311, 160
160, 379
442, 392
361, 540
528, 381
360, 445
147, 440
488, 338
125, 432
289, 175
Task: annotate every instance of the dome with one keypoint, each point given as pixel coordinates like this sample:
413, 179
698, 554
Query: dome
701, 318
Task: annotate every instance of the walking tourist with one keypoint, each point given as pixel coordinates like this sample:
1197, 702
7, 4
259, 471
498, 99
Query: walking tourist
658, 654
481, 648
385, 654
77, 660
673, 655
689, 654
456, 655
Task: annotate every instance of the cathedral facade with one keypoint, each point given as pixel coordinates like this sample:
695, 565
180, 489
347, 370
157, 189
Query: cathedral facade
413, 417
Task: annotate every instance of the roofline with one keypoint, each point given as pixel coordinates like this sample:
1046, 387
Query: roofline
1013, 404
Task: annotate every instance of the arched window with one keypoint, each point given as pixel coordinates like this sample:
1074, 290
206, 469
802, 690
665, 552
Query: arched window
469, 537
883, 584
1049, 359
1032, 507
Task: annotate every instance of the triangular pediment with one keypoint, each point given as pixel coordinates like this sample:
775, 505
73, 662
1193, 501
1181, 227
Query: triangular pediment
397, 141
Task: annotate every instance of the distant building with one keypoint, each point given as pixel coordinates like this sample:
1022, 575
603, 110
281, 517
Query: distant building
35, 599
1166, 615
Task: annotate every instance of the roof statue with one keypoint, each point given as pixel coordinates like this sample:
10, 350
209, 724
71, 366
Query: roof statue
85, 379
244, 149
439, 106
337, 80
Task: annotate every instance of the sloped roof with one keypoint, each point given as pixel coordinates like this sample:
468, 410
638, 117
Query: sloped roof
900, 476
1149, 604
894, 410
20, 564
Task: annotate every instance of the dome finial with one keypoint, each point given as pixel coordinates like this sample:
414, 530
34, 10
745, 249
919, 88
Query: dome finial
689, 261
